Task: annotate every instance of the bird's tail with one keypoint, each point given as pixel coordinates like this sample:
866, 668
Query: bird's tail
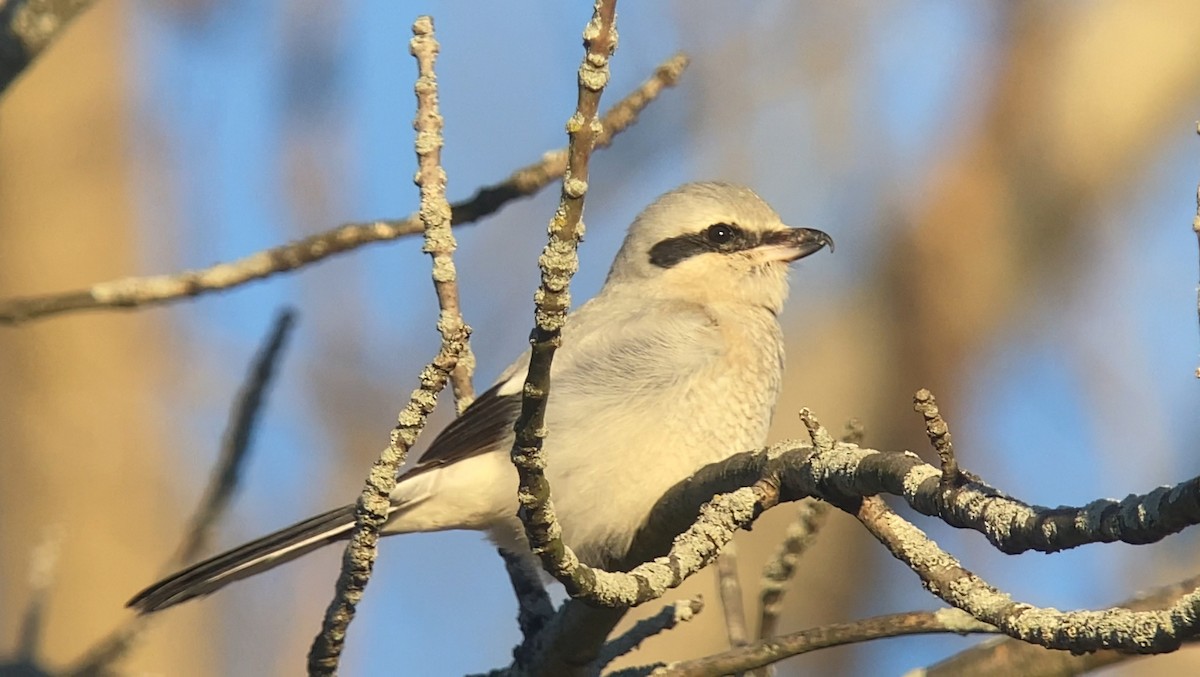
245, 560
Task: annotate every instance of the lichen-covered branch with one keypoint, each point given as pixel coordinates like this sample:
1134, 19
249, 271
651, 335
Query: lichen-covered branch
435, 210
372, 509
137, 292
558, 263
1004, 656
1142, 632
841, 474
27, 27
764, 653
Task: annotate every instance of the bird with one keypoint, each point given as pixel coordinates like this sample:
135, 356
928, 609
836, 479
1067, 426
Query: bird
674, 364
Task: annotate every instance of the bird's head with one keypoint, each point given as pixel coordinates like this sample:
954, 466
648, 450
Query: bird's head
712, 243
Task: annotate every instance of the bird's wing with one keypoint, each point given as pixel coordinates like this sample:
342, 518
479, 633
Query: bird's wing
481, 426
621, 355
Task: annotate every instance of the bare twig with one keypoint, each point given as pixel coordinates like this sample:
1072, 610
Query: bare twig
235, 443
42, 566
671, 615
374, 502
730, 587
939, 435
764, 653
558, 263
223, 481
810, 516
435, 209
372, 510
27, 27
135, 292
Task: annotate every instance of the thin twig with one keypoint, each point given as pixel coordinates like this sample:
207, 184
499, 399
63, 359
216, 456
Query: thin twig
730, 587
374, 502
27, 28
764, 653
235, 443
372, 510
810, 516
671, 615
42, 566
435, 209
558, 263
223, 481
939, 436
136, 292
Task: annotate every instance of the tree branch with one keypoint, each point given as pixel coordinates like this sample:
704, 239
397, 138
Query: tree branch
558, 263
136, 292
29, 26
766, 652
435, 209
223, 481
375, 501
1005, 656
810, 516
1142, 632
730, 587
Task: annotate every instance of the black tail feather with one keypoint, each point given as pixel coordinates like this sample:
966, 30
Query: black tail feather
258, 555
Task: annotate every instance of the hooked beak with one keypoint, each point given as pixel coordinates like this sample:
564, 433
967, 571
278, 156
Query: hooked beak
793, 244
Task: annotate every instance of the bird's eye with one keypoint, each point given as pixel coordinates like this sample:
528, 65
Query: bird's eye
720, 233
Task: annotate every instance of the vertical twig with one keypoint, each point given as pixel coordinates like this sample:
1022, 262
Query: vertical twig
27, 27
558, 263
730, 588
374, 502
42, 567
435, 208
372, 511
810, 516
939, 436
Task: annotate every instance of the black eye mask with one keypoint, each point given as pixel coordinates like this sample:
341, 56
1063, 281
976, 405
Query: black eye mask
724, 238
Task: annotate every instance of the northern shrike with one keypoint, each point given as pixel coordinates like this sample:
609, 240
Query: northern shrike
675, 364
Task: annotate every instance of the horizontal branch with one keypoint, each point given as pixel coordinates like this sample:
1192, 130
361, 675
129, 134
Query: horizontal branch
842, 474
766, 652
134, 292
1005, 656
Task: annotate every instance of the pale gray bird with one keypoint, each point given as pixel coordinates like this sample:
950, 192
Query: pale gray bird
676, 363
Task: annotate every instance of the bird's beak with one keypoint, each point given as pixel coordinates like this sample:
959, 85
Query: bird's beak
792, 244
